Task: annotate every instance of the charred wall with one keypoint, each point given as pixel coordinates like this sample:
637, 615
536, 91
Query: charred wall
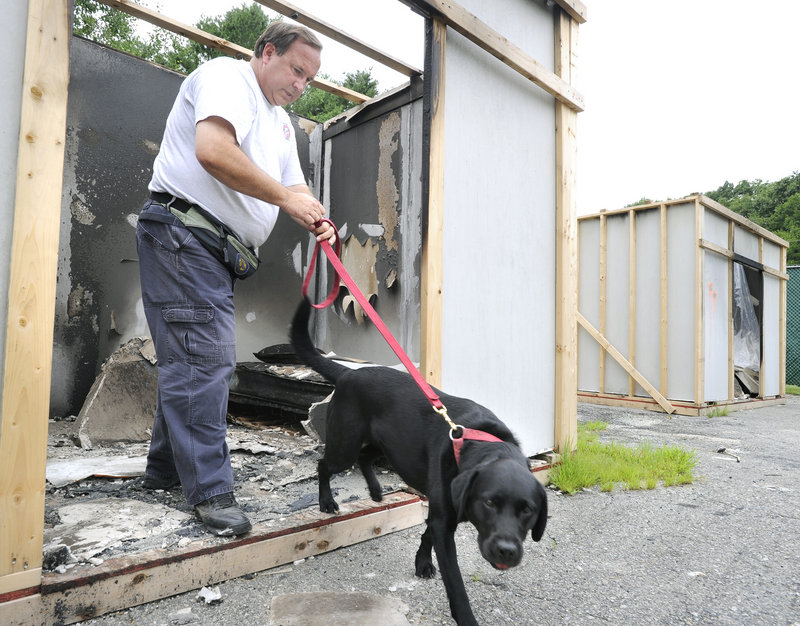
366, 167
118, 105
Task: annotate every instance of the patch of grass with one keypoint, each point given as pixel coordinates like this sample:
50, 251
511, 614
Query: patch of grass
718, 411
793, 390
610, 464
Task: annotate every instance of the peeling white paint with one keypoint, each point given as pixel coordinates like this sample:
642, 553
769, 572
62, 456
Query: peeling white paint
151, 146
297, 259
373, 230
81, 212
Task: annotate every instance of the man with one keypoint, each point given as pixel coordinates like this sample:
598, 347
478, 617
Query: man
228, 148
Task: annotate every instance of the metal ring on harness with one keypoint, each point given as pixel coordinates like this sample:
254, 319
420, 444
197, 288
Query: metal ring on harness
453, 430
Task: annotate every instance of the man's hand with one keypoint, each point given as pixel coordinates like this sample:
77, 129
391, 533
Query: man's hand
307, 211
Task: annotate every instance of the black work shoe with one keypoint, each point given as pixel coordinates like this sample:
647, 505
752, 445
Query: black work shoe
151, 482
222, 516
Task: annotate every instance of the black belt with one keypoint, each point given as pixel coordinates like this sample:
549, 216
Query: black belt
168, 200
214, 235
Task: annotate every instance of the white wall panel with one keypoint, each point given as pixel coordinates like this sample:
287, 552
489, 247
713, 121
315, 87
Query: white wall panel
681, 249
618, 292
648, 297
715, 326
771, 336
745, 243
589, 303
498, 308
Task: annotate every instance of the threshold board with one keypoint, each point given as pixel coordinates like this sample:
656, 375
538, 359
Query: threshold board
85, 592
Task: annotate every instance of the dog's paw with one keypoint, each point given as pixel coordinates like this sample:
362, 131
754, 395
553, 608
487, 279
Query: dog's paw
377, 496
425, 570
329, 506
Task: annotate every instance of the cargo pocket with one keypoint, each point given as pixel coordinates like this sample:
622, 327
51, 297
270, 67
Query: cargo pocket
193, 333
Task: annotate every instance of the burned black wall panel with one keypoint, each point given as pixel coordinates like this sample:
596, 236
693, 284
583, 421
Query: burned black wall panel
373, 187
117, 109
115, 117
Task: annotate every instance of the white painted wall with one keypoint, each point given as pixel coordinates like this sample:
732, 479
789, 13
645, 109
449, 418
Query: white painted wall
15, 26
498, 335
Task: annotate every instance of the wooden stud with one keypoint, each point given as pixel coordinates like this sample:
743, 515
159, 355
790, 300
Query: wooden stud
566, 373
620, 358
488, 39
782, 328
664, 327
300, 16
602, 288
710, 245
680, 408
89, 591
731, 381
743, 221
699, 307
708, 202
763, 362
575, 9
632, 298
31, 292
432, 246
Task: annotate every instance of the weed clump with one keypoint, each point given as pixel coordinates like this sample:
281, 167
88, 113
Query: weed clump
610, 464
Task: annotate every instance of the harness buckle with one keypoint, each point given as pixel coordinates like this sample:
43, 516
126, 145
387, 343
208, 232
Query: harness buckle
443, 412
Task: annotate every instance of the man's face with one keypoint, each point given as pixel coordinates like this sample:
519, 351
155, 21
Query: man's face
284, 77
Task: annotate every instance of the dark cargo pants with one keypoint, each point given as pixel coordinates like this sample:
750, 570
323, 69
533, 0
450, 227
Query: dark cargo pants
188, 301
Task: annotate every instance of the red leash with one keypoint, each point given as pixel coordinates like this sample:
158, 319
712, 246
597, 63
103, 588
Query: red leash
433, 398
333, 257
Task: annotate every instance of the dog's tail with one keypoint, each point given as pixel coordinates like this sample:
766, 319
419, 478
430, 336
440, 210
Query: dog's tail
304, 347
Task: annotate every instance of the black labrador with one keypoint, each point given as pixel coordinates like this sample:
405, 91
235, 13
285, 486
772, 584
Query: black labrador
379, 410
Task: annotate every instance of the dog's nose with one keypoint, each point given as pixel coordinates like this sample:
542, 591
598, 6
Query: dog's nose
507, 552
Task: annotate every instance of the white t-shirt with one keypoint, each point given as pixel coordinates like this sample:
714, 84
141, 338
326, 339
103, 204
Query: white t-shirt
227, 88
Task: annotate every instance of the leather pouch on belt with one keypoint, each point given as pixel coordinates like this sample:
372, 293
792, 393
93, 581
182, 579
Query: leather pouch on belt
219, 240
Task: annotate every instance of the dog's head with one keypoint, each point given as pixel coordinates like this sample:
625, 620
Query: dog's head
504, 501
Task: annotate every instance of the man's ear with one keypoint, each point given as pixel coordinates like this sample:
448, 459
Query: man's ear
538, 528
459, 492
269, 51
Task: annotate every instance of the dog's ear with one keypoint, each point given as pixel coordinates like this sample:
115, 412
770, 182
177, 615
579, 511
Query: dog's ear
459, 492
538, 528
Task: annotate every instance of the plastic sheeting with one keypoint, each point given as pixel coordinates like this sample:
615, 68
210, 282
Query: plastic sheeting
747, 333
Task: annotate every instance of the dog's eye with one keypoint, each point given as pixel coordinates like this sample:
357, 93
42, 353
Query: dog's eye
490, 503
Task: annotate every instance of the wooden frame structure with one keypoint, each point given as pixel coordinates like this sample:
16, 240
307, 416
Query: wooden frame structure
29, 332
686, 319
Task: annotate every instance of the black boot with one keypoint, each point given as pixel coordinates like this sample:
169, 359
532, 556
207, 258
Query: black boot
222, 516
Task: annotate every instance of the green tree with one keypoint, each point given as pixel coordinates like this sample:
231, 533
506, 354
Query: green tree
775, 206
108, 26
242, 26
321, 106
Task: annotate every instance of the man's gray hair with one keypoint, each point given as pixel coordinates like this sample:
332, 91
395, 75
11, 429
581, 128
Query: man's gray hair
282, 35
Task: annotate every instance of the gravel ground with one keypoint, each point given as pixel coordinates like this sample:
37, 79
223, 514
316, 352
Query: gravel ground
722, 550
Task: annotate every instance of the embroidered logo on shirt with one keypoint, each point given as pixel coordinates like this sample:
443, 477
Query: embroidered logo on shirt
286, 132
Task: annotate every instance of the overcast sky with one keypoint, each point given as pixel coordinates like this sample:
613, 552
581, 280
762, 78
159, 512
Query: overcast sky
681, 95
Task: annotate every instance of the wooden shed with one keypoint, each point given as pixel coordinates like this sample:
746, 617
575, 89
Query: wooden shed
682, 308
440, 188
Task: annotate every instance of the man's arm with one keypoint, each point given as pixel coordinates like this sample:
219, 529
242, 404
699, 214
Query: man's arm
220, 155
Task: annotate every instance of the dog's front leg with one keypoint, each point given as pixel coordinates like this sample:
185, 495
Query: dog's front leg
423, 565
444, 544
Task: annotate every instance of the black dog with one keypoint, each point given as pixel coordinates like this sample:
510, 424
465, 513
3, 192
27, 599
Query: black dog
379, 410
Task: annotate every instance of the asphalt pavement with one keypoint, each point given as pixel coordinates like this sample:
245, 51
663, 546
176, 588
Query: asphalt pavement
722, 550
